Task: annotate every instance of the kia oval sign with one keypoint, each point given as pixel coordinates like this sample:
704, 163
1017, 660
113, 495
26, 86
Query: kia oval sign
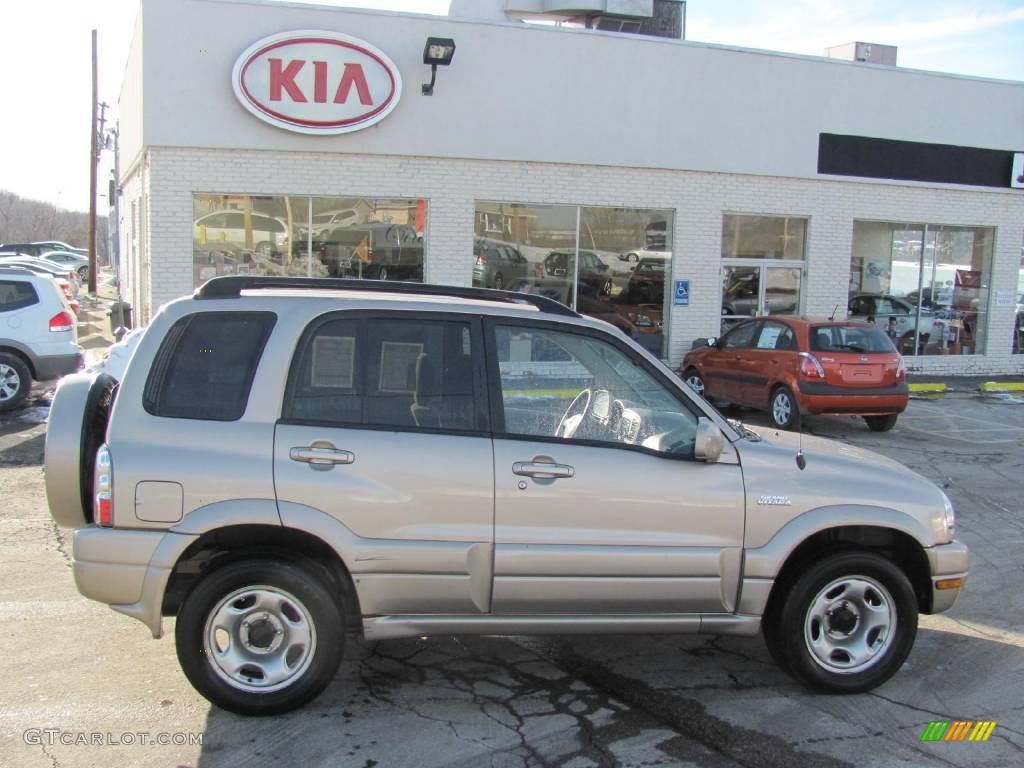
312, 81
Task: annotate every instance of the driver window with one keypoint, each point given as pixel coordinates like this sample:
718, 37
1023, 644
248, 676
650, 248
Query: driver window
574, 387
742, 336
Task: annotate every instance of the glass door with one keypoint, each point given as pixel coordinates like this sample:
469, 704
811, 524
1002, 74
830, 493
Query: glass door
750, 290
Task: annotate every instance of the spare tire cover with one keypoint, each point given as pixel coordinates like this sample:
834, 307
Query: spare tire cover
76, 428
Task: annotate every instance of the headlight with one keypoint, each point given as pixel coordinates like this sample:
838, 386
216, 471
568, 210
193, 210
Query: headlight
949, 516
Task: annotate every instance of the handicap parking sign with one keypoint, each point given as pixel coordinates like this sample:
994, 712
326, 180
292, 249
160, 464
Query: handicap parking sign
682, 293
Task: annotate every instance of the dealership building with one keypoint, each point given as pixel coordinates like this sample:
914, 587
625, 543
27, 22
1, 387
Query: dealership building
668, 186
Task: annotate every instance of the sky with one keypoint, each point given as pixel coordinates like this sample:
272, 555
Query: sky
46, 53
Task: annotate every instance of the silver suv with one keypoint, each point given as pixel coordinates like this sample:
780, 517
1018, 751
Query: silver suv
289, 461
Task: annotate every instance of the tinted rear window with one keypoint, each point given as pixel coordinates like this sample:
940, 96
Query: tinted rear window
206, 364
849, 338
16, 294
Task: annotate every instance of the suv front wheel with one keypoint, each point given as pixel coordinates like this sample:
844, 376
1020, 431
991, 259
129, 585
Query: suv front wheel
15, 381
260, 637
846, 624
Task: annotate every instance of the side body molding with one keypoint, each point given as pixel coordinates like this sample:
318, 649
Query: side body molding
404, 575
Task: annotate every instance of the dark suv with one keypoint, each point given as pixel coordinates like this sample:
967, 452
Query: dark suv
375, 251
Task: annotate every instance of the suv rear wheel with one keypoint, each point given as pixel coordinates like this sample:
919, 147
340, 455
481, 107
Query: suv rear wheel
847, 624
260, 637
15, 381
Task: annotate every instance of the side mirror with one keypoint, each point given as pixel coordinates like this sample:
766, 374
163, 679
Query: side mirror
712, 342
709, 441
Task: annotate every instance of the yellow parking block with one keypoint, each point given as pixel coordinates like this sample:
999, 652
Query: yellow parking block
1001, 386
934, 386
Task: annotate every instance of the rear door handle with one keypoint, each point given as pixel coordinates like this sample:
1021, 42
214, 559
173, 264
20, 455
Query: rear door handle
320, 456
542, 470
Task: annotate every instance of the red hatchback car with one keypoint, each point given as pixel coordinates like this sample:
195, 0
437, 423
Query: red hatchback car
791, 366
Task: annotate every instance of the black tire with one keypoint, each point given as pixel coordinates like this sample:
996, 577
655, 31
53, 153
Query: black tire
298, 585
693, 379
83, 274
382, 273
499, 282
790, 634
15, 381
606, 288
881, 423
783, 411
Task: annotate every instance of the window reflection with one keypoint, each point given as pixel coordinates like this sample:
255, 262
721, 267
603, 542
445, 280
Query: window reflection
925, 285
611, 266
378, 239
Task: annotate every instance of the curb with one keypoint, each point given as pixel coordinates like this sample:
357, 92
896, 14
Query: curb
929, 387
1001, 386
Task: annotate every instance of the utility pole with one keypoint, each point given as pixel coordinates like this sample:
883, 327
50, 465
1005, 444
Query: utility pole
93, 162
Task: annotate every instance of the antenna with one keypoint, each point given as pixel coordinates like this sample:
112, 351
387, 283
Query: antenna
833, 317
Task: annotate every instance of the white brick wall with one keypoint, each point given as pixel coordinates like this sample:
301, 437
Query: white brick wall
451, 188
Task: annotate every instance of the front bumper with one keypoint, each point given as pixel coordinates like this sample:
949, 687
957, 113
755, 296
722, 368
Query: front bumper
947, 561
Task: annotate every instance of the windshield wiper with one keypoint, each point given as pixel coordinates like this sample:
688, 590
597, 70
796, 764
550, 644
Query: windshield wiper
746, 433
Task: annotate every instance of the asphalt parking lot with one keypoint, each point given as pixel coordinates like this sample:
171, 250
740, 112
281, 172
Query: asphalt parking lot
74, 667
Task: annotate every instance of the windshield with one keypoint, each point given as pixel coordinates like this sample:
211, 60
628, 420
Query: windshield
849, 338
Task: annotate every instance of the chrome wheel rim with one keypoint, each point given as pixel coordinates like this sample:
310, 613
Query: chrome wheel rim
850, 625
782, 408
10, 382
696, 383
259, 639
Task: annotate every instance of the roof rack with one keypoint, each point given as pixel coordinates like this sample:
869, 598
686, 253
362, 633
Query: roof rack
231, 287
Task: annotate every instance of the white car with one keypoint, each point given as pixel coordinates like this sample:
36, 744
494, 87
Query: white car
71, 260
38, 334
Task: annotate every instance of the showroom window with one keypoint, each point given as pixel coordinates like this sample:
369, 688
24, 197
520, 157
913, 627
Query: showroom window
609, 263
369, 238
762, 266
925, 285
1018, 316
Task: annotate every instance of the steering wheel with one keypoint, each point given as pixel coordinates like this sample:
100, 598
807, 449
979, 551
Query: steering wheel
570, 421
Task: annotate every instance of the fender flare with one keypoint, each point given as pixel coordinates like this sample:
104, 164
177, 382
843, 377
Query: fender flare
765, 562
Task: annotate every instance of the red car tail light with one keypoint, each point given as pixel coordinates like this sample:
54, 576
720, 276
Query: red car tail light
901, 370
62, 321
103, 487
810, 367
481, 260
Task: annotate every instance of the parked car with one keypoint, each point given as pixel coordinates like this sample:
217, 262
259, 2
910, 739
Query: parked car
59, 245
38, 334
647, 282
70, 260
497, 264
375, 251
399, 460
42, 266
592, 271
214, 230
896, 317
64, 286
25, 249
792, 366
325, 221
634, 256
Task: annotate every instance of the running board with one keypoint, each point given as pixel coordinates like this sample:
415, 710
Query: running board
425, 625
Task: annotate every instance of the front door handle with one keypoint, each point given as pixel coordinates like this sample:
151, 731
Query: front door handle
542, 470
321, 455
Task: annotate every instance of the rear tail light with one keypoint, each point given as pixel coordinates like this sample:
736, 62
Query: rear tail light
481, 261
62, 321
103, 488
810, 367
64, 286
901, 370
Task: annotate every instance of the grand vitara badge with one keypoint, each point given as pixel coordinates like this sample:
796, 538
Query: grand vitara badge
313, 81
